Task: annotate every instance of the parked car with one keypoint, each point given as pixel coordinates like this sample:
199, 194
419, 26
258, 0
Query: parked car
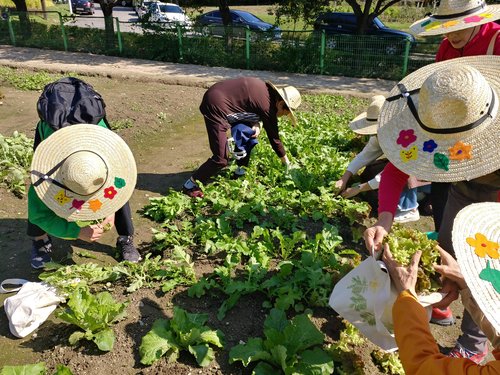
169, 13
83, 6
212, 24
142, 8
346, 23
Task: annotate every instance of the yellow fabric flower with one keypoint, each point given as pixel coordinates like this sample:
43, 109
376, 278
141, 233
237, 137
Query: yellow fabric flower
450, 23
482, 246
460, 151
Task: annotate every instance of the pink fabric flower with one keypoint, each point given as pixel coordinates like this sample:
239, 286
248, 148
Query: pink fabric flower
406, 137
472, 19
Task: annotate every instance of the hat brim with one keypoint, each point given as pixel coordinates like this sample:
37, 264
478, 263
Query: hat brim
432, 26
361, 125
484, 219
411, 158
114, 192
292, 117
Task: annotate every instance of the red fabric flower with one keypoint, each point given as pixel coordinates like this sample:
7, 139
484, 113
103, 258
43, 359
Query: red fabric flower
110, 192
406, 137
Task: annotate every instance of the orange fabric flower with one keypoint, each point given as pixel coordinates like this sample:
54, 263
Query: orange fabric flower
460, 151
95, 205
482, 246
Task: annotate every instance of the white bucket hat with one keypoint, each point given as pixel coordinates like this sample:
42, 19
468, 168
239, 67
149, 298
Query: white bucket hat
292, 99
366, 123
83, 172
441, 123
454, 15
476, 241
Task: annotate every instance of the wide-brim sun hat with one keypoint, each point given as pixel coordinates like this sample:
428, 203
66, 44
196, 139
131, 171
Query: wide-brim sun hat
291, 97
83, 172
366, 123
454, 15
476, 241
441, 123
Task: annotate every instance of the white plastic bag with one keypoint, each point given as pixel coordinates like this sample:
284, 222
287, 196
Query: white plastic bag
30, 307
364, 297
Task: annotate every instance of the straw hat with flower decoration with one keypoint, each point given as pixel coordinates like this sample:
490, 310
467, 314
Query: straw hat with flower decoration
83, 172
441, 123
291, 97
476, 241
366, 123
454, 15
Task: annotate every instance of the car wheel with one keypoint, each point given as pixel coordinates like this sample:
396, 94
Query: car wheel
331, 43
205, 31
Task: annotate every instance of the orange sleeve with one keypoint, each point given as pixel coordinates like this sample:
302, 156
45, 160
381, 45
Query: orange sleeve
418, 350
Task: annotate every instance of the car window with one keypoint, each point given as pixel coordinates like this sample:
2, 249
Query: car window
249, 17
164, 8
215, 14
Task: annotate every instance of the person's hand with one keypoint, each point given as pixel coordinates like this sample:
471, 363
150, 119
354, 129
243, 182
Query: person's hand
375, 235
91, 233
449, 269
341, 184
256, 129
404, 278
108, 222
286, 162
351, 192
450, 288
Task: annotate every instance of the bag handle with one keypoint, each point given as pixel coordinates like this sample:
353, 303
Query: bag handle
491, 46
19, 282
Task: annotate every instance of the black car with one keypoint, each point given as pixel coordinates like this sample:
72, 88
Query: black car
347, 23
83, 6
212, 23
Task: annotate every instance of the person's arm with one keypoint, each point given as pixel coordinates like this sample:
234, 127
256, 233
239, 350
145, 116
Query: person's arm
391, 186
368, 154
418, 350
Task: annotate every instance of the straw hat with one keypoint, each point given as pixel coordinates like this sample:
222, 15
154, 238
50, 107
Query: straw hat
454, 132
292, 99
476, 241
83, 172
366, 123
454, 15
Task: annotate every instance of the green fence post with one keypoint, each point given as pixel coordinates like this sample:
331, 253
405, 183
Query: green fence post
11, 31
179, 38
406, 57
119, 34
247, 46
63, 32
322, 52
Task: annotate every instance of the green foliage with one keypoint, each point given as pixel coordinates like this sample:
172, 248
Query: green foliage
34, 369
388, 363
121, 124
16, 153
403, 243
25, 80
94, 314
185, 331
294, 347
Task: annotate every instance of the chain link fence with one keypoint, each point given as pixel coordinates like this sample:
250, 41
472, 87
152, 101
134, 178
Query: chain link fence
233, 47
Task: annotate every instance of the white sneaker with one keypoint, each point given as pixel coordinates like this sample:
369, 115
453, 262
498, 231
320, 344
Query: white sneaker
407, 216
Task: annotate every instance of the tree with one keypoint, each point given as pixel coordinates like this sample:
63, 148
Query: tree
308, 10
24, 20
109, 28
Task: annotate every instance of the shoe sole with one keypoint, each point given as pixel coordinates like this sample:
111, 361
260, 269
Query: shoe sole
443, 322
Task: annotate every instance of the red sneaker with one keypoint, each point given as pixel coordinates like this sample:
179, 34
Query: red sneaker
442, 317
193, 193
460, 352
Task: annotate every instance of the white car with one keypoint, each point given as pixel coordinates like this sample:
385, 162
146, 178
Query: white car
168, 13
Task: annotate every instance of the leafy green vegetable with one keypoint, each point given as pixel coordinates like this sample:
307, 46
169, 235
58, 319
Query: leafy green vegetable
404, 242
94, 314
389, 363
185, 331
16, 153
291, 346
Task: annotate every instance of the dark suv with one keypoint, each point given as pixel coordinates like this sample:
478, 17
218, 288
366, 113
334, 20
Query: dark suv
346, 23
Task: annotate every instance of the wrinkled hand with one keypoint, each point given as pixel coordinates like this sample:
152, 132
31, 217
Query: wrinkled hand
91, 233
108, 222
351, 192
450, 288
403, 277
340, 185
449, 269
375, 235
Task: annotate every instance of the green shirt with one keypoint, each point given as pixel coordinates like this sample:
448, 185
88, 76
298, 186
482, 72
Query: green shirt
42, 216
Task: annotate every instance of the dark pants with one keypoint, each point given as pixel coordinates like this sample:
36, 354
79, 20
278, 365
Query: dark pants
461, 195
123, 224
439, 196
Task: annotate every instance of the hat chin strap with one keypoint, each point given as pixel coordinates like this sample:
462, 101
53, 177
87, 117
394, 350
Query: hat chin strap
411, 105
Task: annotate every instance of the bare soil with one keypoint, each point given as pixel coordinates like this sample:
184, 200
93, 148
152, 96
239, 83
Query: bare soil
168, 139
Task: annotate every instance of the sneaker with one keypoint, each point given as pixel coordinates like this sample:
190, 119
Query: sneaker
407, 216
193, 193
125, 246
442, 317
40, 253
460, 352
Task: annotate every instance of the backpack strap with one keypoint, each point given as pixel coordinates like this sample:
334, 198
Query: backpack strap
491, 46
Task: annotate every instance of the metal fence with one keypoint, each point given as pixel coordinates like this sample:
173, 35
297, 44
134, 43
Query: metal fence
289, 51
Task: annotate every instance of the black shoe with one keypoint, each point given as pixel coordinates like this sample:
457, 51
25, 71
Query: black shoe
125, 246
40, 253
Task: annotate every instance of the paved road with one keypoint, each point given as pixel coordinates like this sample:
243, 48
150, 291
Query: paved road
126, 16
180, 74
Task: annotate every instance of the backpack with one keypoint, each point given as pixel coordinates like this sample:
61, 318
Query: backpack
70, 101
